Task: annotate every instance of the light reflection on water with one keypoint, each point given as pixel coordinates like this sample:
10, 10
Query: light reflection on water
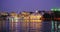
30, 27
44, 26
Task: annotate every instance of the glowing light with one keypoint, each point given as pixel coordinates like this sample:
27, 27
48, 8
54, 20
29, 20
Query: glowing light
59, 26
36, 11
52, 9
35, 18
16, 19
59, 9
55, 9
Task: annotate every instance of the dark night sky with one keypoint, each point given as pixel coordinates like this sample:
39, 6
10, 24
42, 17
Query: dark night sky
28, 5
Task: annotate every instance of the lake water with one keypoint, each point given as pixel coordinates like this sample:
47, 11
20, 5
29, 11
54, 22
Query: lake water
44, 26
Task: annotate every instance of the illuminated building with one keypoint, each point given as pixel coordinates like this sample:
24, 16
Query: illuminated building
13, 20
32, 22
35, 22
25, 21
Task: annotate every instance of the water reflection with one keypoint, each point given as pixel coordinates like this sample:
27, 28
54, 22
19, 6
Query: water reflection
26, 22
